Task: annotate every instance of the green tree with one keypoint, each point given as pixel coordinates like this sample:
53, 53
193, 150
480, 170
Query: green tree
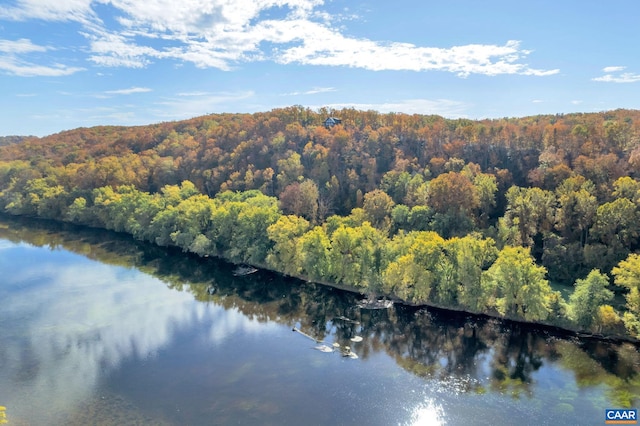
290, 170
285, 233
358, 255
585, 301
408, 280
315, 247
399, 218
413, 272
522, 290
617, 223
577, 208
530, 211
250, 241
627, 274
473, 256
420, 218
486, 188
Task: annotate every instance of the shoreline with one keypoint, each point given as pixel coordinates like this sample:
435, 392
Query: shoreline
542, 326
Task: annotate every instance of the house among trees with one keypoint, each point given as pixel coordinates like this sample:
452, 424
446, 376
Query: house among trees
331, 121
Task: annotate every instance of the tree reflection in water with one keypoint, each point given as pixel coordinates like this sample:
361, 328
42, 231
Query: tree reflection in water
465, 353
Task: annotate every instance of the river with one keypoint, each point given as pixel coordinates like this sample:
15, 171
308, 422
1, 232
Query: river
99, 329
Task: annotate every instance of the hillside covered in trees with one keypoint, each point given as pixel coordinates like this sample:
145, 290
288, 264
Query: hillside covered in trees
472, 215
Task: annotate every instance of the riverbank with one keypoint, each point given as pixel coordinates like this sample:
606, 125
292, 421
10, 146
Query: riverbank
177, 251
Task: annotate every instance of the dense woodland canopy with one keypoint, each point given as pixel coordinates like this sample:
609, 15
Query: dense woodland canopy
7, 140
474, 215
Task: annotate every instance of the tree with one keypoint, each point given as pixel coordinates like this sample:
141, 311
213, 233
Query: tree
473, 256
399, 218
587, 298
453, 193
378, 206
420, 218
285, 233
395, 184
290, 170
627, 274
627, 187
486, 187
250, 241
357, 255
301, 199
530, 211
408, 280
617, 223
577, 208
522, 289
315, 246
413, 272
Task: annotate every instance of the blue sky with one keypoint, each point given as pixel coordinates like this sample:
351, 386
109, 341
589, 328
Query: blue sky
77, 63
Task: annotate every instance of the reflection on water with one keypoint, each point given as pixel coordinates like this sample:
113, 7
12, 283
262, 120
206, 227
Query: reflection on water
427, 414
96, 326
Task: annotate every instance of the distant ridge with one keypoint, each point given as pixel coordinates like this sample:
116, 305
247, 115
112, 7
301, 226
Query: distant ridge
9, 140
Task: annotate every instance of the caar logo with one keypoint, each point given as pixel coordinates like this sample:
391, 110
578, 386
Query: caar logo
620, 417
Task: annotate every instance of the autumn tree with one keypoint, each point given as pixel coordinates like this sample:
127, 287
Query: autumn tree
378, 206
301, 199
453, 199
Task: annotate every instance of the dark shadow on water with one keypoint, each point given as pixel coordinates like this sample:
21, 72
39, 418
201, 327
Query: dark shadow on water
478, 354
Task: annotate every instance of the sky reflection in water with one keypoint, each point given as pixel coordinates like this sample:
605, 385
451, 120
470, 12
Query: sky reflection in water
83, 341
68, 321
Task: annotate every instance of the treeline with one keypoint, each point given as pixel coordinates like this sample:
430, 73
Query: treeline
419, 267
8, 140
361, 202
515, 351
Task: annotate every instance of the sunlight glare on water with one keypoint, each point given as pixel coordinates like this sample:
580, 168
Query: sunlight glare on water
427, 414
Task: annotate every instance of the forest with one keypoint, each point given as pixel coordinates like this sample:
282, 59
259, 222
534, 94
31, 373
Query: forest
534, 219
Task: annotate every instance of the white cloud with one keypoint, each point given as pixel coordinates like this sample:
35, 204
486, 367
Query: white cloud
612, 69
222, 34
16, 67
57, 10
20, 46
95, 330
129, 91
12, 51
613, 74
576, 102
444, 107
313, 91
198, 103
537, 101
192, 94
626, 77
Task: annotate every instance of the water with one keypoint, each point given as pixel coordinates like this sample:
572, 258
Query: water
98, 329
